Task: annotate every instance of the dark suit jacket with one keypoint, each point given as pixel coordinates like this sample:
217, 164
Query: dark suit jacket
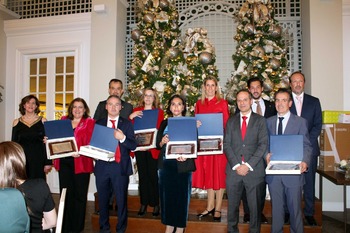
295, 125
311, 111
253, 147
101, 111
125, 147
270, 109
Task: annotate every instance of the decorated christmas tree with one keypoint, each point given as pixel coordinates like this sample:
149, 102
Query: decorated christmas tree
260, 51
165, 61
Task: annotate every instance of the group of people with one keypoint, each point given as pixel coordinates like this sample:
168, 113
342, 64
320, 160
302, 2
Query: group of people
166, 184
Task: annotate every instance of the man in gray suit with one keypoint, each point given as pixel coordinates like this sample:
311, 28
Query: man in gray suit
286, 190
245, 145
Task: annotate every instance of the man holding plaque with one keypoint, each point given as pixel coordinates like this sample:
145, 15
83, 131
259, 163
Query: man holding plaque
245, 145
286, 190
116, 173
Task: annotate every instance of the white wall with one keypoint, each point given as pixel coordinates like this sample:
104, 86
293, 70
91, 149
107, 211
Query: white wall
346, 53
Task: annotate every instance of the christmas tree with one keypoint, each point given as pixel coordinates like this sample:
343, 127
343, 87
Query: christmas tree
260, 51
165, 61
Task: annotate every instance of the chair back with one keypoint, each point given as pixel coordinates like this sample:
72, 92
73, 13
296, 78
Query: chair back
61, 211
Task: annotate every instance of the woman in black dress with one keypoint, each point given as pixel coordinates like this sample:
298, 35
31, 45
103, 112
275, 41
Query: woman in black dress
28, 131
175, 175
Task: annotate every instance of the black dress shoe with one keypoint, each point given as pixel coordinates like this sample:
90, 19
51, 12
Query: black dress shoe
246, 218
206, 212
155, 212
263, 219
286, 218
217, 219
142, 210
310, 221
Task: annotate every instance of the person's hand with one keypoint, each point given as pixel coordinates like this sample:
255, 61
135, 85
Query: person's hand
242, 170
268, 158
303, 167
199, 123
45, 139
136, 114
181, 159
47, 168
165, 140
75, 155
118, 134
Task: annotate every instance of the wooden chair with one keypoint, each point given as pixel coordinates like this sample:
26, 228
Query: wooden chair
61, 211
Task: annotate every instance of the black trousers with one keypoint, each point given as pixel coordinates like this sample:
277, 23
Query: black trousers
76, 197
148, 178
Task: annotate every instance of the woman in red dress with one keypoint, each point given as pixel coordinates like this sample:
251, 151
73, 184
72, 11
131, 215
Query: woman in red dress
147, 160
210, 173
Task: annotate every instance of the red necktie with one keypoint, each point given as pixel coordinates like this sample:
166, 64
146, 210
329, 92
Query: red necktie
117, 152
243, 131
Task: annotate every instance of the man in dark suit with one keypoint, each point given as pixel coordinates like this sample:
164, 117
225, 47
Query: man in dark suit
309, 109
115, 87
115, 174
245, 145
266, 109
286, 190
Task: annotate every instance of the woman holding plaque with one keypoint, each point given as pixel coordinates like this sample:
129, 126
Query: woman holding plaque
74, 172
174, 175
147, 159
210, 173
28, 131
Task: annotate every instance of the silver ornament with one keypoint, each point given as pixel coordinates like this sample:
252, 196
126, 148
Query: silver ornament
148, 18
132, 73
163, 4
275, 63
173, 52
249, 29
205, 58
184, 93
151, 72
135, 34
259, 51
139, 92
144, 51
275, 31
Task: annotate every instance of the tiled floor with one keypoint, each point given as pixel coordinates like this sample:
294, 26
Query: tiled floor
332, 221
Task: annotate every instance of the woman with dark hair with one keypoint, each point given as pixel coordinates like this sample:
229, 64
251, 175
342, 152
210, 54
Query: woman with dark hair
147, 159
174, 175
36, 192
28, 131
74, 172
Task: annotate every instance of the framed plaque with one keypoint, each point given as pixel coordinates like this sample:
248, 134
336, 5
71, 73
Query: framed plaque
182, 132
145, 129
210, 134
61, 141
287, 153
103, 144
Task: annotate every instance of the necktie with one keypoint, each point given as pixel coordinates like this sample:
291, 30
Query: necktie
280, 126
258, 108
298, 105
117, 151
243, 131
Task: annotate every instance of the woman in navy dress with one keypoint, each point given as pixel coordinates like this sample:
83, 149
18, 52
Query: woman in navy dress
175, 175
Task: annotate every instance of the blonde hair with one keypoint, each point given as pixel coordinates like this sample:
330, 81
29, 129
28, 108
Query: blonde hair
217, 92
155, 103
12, 164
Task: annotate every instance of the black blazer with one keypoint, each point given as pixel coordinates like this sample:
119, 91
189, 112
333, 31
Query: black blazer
270, 109
101, 111
186, 166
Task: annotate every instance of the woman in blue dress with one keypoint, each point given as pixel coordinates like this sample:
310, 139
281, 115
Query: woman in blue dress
175, 175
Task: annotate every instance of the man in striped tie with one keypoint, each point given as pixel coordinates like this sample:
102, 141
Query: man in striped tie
116, 173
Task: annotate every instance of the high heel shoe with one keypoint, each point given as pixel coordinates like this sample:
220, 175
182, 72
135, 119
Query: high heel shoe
207, 213
217, 219
142, 210
155, 212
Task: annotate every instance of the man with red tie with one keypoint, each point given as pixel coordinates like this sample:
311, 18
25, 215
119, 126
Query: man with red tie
245, 145
115, 174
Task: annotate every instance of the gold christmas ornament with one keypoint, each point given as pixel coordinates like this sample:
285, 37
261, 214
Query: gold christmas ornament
275, 63
249, 29
151, 72
148, 18
275, 31
135, 34
173, 52
144, 51
132, 73
205, 58
163, 4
